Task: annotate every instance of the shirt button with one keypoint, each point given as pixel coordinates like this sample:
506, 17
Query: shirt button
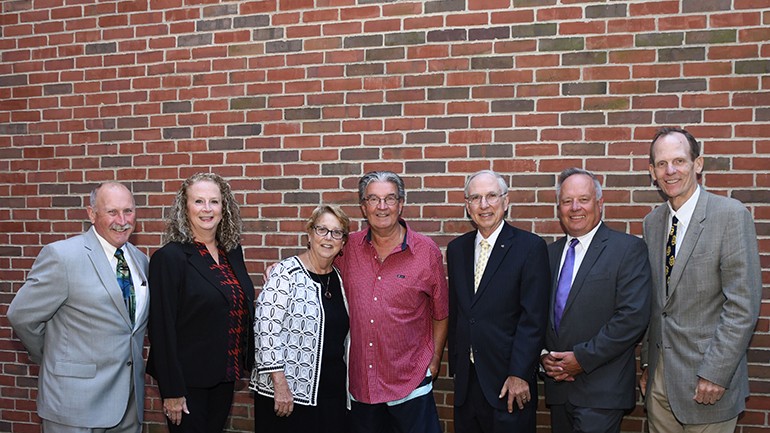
371, 321
379, 278
371, 344
370, 365
375, 298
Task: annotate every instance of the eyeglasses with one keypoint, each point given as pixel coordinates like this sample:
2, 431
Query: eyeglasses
492, 198
374, 201
323, 231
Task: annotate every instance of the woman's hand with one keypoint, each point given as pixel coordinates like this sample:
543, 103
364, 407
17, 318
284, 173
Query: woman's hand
284, 400
173, 408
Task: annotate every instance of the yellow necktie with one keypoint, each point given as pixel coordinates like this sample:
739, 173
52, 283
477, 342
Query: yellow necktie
481, 263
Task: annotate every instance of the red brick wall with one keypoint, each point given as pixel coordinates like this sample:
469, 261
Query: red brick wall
293, 100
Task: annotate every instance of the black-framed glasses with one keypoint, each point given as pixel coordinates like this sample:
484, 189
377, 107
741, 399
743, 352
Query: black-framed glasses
323, 231
374, 201
492, 198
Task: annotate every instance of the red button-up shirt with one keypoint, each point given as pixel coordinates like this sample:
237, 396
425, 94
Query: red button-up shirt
392, 307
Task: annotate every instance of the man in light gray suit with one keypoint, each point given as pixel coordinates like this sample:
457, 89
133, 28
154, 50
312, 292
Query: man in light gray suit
706, 296
82, 315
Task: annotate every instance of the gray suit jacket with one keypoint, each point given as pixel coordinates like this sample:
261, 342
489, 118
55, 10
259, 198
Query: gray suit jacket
703, 328
71, 317
605, 316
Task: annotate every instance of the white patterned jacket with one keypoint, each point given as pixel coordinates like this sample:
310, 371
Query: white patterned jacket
288, 331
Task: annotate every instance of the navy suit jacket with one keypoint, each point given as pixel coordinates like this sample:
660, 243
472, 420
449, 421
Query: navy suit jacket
605, 316
188, 326
504, 321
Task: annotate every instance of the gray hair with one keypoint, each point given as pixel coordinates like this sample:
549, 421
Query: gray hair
500, 181
380, 176
95, 192
572, 171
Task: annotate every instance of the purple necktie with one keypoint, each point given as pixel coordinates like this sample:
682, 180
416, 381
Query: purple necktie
565, 282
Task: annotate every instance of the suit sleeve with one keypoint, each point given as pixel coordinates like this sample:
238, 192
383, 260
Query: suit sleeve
38, 300
530, 331
742, 288
166, 281
631, 314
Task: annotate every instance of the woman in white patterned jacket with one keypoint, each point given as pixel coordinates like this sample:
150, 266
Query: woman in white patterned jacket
302, 336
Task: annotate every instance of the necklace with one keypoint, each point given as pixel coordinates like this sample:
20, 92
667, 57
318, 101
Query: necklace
325, 287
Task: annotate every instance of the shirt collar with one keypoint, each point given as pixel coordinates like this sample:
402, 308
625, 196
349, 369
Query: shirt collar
684, 214
108, 248
586, 239
492, 237
405, 243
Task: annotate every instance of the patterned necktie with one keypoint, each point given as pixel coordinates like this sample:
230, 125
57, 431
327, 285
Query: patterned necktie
670, 250
564, 285
481, 263
126, 284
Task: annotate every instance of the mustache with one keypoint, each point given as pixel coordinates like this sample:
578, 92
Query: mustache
121, 228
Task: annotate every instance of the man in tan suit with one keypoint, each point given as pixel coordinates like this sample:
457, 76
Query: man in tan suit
706, 296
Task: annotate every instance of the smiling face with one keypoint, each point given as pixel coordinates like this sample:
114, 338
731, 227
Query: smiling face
113, 214
204, 208
325, 248
487, 217
674, 169
579, 210
381, 217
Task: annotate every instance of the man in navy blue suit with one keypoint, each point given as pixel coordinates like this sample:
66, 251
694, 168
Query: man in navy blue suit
498, 294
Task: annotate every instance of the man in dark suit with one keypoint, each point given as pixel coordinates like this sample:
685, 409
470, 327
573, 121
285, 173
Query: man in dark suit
82, 315
707, 288
600, 306
498, 296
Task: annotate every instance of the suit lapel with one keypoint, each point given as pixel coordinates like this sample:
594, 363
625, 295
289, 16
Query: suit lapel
656, 246
106, 274
554, 254
694, 231
467, 249
598, 243
202, 265
500, 249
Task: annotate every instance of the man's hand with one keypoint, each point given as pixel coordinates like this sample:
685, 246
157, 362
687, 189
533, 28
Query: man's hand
708, 392
643, 381
561, 366
516, 389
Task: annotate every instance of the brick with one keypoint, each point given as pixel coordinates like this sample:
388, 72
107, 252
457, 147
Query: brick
177, 107
561, 44
590, 88
438, 6
583, 119
711, 37
283, 46
606, 11
211, 25
584, 58
694, 6
251, 21
489, 33
677, 117
389, 110
491, 151
676, 55
752, 67
244, 130
101, 48
448, 93
447, 35
406, 38
364, 69
504, 62
267, 34
448, 123
659, 39
684, 85
196, 40
394, 53
534, 30
363, 41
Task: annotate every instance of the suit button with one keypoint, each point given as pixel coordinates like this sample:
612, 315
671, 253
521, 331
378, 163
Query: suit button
665, 315
473, 321
129, 364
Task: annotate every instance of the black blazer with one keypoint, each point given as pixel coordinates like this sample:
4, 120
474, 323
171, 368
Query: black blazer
606, 314
188, 323
504, 321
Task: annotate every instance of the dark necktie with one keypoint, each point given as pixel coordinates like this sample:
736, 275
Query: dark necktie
565, 282
126, 284
670, 250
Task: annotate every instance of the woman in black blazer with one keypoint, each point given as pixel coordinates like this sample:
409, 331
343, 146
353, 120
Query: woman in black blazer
201, 307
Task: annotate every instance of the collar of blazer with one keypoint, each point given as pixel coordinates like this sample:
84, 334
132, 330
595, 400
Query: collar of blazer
694, 230
107, 275
202, 266
496, 256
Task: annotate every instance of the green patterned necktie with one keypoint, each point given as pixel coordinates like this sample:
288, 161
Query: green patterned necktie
126, 284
